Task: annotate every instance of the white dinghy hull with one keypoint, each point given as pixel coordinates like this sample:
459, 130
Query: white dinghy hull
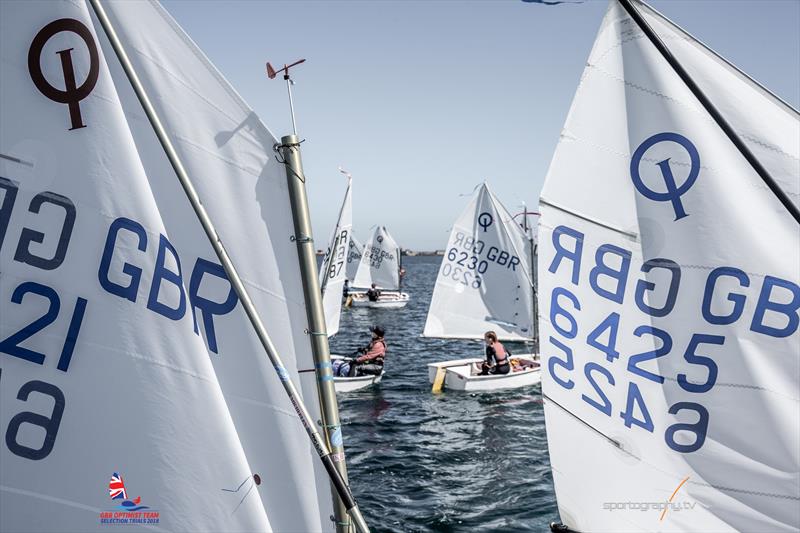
387, 300
462, 374
343, 384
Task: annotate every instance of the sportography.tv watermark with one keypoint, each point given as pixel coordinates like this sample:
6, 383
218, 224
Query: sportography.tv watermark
669, 505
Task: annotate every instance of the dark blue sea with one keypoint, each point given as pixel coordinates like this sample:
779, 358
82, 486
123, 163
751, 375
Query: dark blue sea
450, 462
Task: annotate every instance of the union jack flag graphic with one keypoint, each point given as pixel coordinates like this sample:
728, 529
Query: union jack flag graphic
116, 488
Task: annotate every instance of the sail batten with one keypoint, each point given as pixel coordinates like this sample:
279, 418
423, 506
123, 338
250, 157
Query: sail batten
354, 254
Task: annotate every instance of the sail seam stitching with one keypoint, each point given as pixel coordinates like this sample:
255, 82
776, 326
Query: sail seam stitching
700, 114
200, 55
768, 146
570, 136
233, 163
566, 134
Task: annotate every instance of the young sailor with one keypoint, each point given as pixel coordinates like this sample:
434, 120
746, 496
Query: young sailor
346, 290
496, 356
373, 293
371, 362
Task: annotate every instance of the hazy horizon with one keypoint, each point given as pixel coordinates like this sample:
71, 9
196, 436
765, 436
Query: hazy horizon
421, 101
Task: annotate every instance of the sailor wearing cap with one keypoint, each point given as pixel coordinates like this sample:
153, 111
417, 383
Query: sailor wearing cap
373, 355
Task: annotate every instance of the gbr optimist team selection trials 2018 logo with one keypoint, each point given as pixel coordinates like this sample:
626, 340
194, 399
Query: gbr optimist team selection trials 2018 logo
127, 511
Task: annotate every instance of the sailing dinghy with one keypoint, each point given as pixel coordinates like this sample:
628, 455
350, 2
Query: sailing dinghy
356, 250
125, 349
485, 283
350, 384
670, 339
332, 274
381, 264
333, 271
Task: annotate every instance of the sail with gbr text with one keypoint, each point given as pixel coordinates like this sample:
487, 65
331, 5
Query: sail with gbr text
485, 279
669, 296
356, 250
123, 349
380, 262
334, 266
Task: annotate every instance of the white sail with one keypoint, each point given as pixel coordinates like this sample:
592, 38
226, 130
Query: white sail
669, 296
484, 282
334, 270
118, 325
380, 262
530, 225
356, 250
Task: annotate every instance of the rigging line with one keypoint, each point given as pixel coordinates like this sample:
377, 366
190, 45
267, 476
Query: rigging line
277, 147
16, 160
616, 444
500, 208
337, 238
779, 193
685, 35
629, 234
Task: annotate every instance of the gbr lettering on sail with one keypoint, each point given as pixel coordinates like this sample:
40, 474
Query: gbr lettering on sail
610, 297
164, 296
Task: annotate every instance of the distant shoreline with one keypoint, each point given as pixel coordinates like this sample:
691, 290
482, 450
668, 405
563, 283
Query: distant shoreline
408, 253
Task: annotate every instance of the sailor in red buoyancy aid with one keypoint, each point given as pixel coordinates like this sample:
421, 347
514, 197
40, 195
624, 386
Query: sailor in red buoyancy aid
496, 356
373, 355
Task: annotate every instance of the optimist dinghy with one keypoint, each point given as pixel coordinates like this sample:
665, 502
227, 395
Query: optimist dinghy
335, 266
347, 384
332, 275
464, 374
387, 300
485, 283
381, 264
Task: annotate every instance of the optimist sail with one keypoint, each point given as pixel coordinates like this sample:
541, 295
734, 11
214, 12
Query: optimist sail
380, 262
123, 348
670, 295
484, 281
334, 270
354, 253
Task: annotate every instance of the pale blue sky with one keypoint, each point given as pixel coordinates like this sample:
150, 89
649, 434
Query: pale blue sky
421, 101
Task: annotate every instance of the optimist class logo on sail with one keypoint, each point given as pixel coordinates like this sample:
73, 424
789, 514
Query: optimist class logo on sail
674, 192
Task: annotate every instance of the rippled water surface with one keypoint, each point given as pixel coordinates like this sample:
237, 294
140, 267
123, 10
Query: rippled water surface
451, 462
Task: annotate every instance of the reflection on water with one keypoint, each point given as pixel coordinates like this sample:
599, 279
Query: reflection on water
451, 462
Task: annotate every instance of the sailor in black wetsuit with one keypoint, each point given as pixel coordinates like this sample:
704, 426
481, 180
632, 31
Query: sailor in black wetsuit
346, 290
373, 293
496, 356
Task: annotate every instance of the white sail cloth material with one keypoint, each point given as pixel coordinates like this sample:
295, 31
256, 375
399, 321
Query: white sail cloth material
166, 385
334, 270
356, 250
485, 280
380, 262
669, 307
